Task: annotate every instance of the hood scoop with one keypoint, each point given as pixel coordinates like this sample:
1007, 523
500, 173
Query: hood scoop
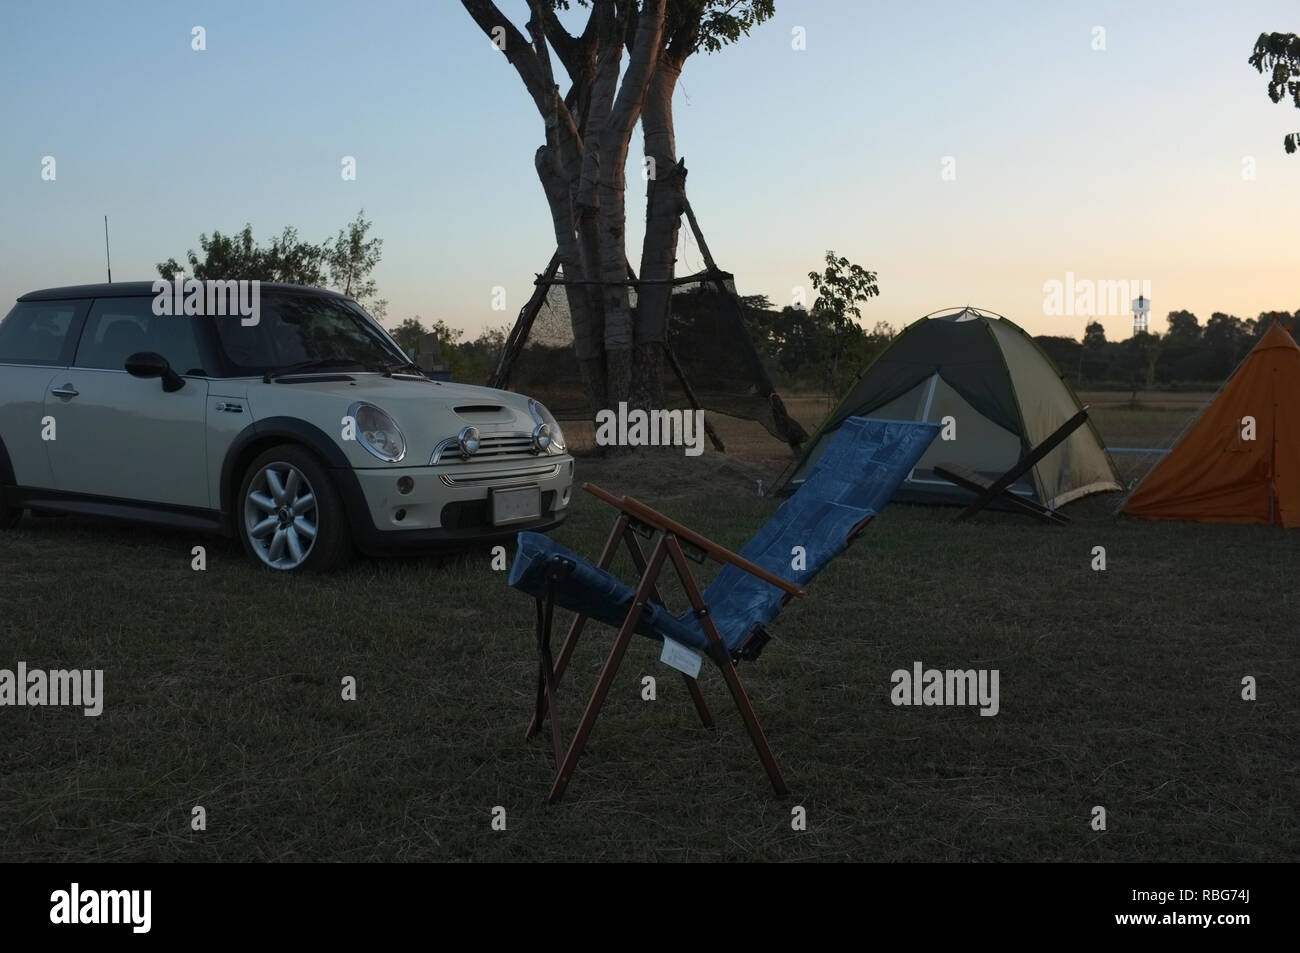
314, 379
481, 414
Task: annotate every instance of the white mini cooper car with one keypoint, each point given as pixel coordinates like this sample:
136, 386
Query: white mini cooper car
307, 432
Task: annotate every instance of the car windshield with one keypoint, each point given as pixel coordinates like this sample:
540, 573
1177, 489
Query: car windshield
301, 329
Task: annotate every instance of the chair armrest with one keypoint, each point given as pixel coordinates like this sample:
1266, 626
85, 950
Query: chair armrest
641, 512
858, 529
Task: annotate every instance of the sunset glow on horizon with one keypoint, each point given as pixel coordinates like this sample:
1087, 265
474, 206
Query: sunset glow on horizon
1157, 158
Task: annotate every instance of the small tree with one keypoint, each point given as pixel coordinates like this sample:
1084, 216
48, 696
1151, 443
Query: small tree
1092, 356
1146, 348
1184, 329
841, 290
351, 259
1225, 337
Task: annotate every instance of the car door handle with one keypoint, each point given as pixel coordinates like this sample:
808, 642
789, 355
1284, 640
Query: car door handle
67, 390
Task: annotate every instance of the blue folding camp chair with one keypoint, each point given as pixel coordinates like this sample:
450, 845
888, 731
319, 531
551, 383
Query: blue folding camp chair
853, 480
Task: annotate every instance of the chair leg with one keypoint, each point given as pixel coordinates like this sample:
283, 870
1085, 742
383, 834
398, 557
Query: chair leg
575, 628
697, 696
546, 694
607, 673
722, 658
753, 727
543, 654
692, 686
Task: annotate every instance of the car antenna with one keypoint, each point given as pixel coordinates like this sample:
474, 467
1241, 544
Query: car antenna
106, 256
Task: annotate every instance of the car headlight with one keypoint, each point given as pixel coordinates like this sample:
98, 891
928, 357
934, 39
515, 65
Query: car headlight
547, 435
468, 441
378, 432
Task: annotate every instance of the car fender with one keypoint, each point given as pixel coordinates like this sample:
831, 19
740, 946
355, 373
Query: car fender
292, 430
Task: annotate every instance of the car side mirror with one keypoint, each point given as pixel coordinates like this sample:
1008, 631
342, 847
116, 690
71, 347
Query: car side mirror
153, 364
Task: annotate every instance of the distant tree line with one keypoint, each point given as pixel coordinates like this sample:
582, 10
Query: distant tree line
798, 345
1186, 354
815, 351
470, 362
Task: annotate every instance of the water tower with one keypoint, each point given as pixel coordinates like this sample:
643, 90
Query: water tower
1141, 308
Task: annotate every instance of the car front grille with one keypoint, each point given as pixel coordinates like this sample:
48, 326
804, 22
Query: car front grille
493, 447
501, 476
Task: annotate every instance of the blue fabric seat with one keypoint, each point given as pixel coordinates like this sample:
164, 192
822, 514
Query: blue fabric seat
857, 474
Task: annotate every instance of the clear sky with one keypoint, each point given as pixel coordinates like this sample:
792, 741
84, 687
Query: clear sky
1117, 164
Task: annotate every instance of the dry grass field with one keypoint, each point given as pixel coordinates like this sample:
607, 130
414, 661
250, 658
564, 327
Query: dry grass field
1119, 689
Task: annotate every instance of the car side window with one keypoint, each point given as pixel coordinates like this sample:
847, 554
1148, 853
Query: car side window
116, 328
35, 332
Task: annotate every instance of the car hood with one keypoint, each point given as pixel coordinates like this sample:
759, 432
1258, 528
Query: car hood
428, 412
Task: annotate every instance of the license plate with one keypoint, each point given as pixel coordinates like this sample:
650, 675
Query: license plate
516, 505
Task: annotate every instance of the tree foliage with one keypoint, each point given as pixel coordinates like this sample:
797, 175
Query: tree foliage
238, 257
351, 259
842, 288
348, 260
1278, 56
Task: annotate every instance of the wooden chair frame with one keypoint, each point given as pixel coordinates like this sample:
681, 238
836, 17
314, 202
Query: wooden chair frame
674, 544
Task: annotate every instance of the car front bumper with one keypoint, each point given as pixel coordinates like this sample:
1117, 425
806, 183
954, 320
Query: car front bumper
447, 506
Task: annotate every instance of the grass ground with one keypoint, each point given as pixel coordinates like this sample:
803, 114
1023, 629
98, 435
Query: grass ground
1119, 689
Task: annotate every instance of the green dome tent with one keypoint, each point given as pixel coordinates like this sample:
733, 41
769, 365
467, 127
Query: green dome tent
1004, 395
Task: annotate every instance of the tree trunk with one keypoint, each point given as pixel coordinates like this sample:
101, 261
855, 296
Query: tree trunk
612, 192
665, 192
581, 169
585, 319
585, 189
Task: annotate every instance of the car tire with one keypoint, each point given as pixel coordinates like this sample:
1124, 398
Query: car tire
289, 515
9, 515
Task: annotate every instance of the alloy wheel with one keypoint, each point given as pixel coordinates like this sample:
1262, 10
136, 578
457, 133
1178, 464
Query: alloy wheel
281, 516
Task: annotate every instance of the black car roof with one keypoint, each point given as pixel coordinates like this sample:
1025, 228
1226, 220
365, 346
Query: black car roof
135, 289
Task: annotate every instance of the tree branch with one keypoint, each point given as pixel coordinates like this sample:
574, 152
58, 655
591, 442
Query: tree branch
603, 91
536, 31
518, 51
684, 41
631, 93
568, 48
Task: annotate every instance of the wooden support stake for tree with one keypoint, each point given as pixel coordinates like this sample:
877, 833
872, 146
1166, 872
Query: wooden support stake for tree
523, 325
779, 414
690, 396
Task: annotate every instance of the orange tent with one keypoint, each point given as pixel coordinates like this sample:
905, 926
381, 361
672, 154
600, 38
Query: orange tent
1240, 461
